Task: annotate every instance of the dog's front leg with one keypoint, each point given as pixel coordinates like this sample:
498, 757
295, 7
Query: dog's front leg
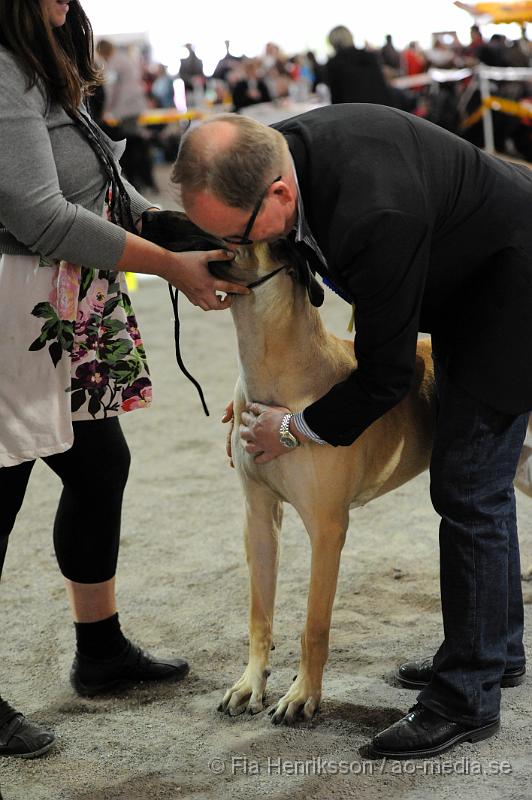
303, 697
261, 533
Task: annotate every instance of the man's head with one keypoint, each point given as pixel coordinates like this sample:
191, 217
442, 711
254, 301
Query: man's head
340, 38
236, 180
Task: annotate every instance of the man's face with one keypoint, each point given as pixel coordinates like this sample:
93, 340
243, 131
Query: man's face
275, 218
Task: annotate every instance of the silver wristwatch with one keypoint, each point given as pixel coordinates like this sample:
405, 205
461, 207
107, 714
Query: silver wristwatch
286, 438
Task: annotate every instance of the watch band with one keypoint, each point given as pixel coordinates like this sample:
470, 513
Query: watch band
285, 423
286, 437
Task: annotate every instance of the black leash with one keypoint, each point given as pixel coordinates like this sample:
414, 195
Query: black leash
174, 295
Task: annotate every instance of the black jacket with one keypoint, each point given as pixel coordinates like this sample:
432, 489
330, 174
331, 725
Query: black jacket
355, 76
424, 232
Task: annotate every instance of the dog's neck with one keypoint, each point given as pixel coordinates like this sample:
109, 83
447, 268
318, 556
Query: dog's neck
281, 340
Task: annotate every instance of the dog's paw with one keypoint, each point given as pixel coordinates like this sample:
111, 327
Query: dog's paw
299, 704
247, 694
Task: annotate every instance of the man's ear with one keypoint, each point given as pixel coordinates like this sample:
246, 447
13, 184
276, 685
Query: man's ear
283, 191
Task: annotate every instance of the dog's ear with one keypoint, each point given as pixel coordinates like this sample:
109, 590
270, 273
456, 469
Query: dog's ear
315, 291
174, 231
301, 271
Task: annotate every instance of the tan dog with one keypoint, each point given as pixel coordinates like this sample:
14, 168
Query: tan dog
288, 358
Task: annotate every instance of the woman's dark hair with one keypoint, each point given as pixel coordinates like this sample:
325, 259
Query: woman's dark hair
62, 58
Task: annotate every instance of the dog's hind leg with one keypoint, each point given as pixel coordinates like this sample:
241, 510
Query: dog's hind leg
303, 698
262, 529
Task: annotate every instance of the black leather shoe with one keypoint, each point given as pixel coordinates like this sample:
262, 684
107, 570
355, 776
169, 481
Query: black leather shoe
23, 739
417, 674
90, 676
423, 734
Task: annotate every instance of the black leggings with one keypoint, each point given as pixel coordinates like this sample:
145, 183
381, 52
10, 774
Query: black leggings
87, 524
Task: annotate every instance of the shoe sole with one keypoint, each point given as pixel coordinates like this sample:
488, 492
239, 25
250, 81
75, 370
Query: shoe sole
507, 682
33, 754
475, 735
120, 685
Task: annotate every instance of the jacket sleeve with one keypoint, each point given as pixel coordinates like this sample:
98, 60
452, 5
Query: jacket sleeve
385, 260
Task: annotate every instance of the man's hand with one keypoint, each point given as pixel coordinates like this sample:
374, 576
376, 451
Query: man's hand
189, 273
260, 431
229, 417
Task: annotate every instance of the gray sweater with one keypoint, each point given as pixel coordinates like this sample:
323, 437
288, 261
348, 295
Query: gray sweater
52, 184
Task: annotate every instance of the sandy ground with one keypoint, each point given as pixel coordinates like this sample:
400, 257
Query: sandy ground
183, 590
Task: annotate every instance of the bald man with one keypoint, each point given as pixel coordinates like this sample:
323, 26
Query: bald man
421, 231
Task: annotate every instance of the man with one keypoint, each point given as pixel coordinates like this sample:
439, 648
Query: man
422, 232
353, 75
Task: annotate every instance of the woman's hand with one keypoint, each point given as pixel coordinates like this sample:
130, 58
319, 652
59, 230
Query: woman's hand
189, 273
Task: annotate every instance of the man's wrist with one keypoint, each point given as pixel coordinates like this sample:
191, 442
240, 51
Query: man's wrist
302, 432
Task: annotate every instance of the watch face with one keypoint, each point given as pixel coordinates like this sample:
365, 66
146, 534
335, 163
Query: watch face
288, 440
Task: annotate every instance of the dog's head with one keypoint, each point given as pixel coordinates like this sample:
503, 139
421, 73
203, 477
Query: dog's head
174, 231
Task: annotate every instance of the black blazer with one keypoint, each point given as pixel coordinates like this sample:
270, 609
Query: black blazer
424, 232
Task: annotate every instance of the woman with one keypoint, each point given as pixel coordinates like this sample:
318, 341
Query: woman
71, 358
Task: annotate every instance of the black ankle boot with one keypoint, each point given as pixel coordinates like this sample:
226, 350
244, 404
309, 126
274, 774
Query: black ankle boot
19, 737
91, 676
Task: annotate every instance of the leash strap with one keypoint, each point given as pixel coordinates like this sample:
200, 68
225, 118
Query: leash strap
174, 294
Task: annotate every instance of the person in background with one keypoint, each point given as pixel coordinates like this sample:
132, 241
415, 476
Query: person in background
125, 101
192, 74
470, 52
494, 53
162, 88
71, 355
414, 59
226, 64
316, 69
390, 57
251, 89
353, 75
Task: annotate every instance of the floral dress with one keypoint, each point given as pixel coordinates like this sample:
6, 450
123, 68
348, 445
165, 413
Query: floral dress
89, 315
70, 350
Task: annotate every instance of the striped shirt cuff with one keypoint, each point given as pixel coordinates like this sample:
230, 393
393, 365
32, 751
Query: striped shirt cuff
302, 427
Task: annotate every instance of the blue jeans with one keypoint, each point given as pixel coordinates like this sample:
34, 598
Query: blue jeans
475, 456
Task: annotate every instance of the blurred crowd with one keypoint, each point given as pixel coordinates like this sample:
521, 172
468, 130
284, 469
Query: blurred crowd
385, 74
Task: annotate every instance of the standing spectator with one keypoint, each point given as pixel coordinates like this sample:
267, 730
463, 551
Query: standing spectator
390, 57
495, 52
125, 101
251, 89
316, 67
414, 59
226, 64
192, 75
470, 53
354, 76
162, 88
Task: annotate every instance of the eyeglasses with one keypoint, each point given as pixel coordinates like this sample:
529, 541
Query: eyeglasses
244, 239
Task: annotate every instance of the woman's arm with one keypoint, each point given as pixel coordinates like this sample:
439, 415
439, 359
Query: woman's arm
35, 211
188, 272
